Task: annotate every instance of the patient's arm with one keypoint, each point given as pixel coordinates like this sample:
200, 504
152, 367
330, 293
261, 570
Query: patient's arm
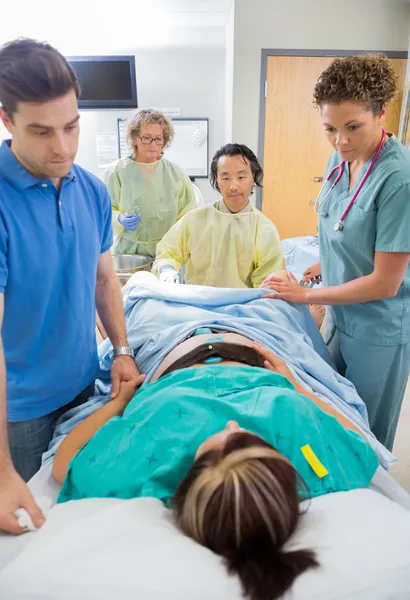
83, 432
273, 363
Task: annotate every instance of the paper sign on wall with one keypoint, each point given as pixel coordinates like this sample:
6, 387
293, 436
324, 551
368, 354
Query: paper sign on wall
107, 149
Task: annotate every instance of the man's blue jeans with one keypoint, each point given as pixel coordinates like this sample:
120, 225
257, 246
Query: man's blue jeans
30, 439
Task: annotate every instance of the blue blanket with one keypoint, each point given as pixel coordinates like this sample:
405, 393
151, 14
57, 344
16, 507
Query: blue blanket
160, 316
300, 253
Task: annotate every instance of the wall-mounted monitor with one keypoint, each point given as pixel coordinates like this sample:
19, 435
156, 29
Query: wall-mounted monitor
106, 81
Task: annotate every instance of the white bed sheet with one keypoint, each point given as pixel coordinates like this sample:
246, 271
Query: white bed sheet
110, 549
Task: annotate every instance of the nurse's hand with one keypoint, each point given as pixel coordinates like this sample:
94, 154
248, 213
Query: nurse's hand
15, 494
312, 272
288, 289
124, 369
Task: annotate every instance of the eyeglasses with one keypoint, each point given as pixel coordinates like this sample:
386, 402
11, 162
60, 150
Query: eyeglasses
146, 139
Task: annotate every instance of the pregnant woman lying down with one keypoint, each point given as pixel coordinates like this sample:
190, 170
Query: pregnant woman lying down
225, 436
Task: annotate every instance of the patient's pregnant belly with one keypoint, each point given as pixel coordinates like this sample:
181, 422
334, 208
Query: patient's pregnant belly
195, 341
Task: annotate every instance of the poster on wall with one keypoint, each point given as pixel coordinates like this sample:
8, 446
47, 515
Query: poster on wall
107, 149
123, 147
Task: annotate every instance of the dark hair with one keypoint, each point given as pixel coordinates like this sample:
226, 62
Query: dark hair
32, 71
242, 502
236, 150
369, 79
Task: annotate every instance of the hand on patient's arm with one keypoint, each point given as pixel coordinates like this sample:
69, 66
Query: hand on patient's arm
83, 432
276, 364
286, 287
14, 492
124, 370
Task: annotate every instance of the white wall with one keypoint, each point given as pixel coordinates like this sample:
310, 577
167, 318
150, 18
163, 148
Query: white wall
177, 66
229, 65
192, 80
305, 24
4, 134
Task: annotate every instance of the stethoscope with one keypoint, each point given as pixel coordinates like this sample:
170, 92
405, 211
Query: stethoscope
341, 167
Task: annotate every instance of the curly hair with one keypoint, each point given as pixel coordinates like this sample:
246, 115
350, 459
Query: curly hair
236, 150
369, 79
146, 116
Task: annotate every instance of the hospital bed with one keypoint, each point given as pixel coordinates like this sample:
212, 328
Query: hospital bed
109, 549
106, 549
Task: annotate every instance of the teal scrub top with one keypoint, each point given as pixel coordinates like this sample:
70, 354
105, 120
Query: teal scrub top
149, 450
379, 221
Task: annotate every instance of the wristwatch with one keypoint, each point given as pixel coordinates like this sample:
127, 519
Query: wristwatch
124, 351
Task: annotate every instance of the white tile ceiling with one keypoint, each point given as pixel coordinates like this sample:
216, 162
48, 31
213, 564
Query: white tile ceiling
96, 26
193, 10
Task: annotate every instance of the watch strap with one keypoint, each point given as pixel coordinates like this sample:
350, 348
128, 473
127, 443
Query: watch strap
124, 351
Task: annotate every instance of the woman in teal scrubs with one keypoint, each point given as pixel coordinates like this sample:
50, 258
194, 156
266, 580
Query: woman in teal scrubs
364, 246
180, 439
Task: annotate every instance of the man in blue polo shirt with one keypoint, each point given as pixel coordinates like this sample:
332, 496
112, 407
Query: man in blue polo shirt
55, 267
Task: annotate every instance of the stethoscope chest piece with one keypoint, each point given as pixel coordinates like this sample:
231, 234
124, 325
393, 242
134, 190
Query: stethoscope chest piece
338, 226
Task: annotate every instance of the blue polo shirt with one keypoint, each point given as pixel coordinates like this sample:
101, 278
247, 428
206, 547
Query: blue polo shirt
50, 244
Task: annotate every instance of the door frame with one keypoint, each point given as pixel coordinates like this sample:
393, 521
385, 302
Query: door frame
266, 52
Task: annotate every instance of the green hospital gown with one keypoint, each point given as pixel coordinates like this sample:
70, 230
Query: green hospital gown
149, 450
161, 192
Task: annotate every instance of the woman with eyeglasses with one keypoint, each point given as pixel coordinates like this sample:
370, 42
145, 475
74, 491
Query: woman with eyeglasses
148, 192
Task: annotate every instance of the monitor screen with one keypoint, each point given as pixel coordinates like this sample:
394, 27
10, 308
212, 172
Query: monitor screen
106, 81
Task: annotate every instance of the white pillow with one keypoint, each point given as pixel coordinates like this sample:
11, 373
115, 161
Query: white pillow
114, 549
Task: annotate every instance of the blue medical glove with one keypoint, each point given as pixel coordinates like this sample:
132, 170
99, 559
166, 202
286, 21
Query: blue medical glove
129, 221
168, 274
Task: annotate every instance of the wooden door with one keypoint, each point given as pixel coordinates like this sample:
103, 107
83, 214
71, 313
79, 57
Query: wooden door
296, 150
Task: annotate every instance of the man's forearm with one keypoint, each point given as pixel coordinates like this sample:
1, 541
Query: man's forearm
5, 460
110, 310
